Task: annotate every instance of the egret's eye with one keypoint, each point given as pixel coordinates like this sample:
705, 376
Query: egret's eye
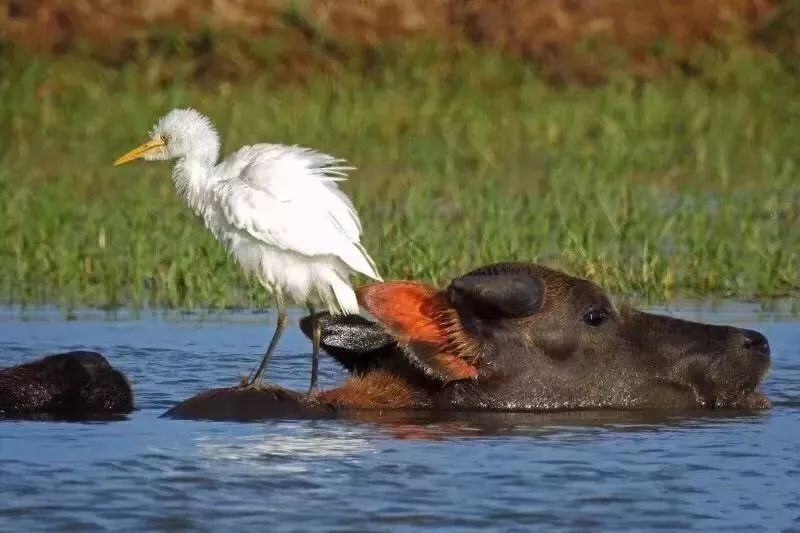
164, 138
595, 317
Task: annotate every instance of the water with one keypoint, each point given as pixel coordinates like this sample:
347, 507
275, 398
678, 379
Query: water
583, 471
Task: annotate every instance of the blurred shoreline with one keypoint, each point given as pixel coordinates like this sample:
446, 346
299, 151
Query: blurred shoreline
584, 41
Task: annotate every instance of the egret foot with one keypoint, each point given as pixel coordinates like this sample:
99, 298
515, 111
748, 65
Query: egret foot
254, 385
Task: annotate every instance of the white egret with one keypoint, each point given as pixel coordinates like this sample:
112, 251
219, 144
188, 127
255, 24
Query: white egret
277, 210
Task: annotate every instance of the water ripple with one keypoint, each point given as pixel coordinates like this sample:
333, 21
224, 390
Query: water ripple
570, 471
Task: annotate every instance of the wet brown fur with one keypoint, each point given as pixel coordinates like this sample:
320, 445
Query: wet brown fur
69, 384
376, 390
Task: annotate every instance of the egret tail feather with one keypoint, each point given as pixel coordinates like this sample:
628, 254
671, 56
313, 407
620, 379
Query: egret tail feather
374, 269
346, 302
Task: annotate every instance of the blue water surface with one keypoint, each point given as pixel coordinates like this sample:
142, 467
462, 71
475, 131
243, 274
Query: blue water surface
587, 471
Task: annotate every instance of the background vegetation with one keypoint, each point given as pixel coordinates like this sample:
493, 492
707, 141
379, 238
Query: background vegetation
650, 145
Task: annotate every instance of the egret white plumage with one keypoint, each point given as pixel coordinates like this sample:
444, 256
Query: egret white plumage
277, 210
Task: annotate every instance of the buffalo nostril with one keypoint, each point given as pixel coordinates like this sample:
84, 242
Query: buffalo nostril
756, 342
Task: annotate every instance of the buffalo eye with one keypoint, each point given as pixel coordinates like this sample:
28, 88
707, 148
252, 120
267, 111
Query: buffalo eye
595, 317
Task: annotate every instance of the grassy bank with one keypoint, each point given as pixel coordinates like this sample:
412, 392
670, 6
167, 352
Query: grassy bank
682, 186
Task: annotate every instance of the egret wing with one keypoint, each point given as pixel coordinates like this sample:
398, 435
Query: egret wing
288, 197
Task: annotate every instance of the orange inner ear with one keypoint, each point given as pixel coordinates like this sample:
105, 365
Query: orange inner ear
419, 316
448, 361
410, 311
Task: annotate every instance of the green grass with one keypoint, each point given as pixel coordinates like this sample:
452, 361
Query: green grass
679, 187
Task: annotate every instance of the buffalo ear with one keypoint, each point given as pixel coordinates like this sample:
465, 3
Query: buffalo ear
407, 310
492, 296
355, 342
348, 332
425, 325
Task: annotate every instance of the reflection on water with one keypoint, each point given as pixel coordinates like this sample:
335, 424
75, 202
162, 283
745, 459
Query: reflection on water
719, 470
282, 452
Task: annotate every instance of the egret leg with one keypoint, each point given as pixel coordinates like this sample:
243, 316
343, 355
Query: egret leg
315, 337
255, 377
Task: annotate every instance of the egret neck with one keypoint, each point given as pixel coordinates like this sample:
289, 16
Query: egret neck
193, 173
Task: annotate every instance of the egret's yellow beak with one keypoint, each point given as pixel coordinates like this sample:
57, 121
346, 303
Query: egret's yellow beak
139, 151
